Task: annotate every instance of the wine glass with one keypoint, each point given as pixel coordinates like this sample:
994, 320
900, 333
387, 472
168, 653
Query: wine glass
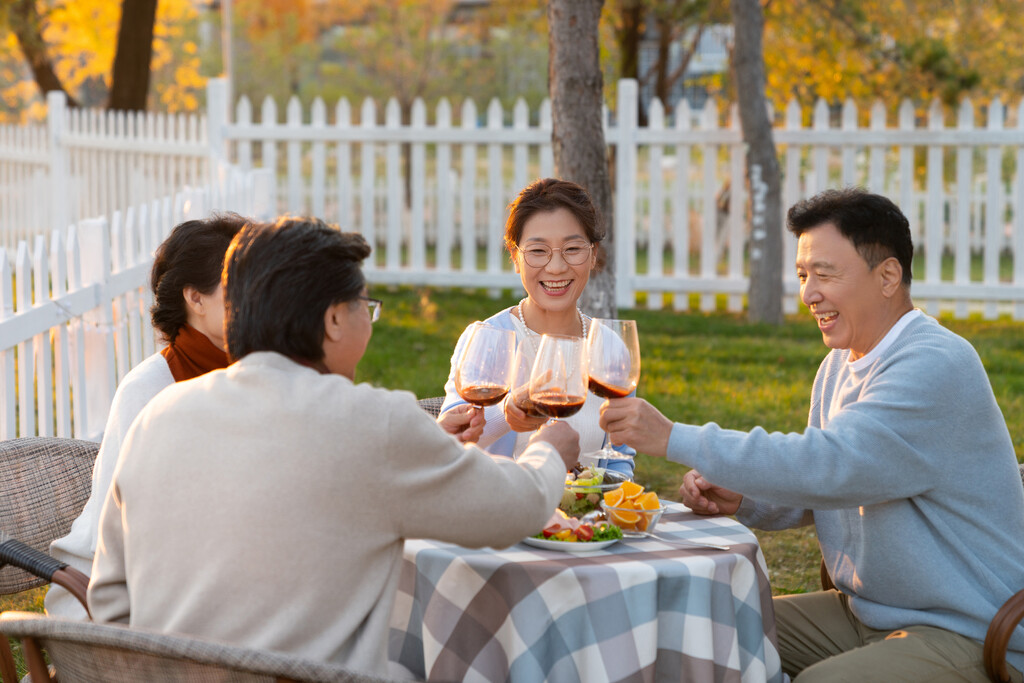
522, 366
613, 365
484, 370
558, 380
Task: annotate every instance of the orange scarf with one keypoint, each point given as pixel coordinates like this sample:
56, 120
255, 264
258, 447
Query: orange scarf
192, 354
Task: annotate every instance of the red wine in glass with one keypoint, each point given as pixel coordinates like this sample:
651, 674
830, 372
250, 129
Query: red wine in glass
558, 379
521, 399
558, 405
613, 366
483, 394
608, 390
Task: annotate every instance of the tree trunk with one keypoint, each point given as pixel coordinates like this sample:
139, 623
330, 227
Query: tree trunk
25, 24
130, 79
576, 87
628, 37
765, 291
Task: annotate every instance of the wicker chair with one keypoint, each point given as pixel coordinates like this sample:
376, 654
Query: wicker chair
45, 483
432, 405
1000, 628
86, 652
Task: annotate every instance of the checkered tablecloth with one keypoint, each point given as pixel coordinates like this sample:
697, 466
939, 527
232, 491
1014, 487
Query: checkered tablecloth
639, 610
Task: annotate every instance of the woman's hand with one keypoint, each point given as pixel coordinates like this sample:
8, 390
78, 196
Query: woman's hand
705, 498
466, 422
517, 420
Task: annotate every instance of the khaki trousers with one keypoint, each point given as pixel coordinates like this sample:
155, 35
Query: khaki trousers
821, 640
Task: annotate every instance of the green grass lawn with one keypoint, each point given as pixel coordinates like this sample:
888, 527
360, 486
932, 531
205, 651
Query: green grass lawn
696, 368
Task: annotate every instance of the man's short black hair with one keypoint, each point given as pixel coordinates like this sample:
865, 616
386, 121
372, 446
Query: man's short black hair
280, 279
873, 223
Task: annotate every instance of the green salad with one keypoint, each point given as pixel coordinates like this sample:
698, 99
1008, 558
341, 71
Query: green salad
584, 533
582, 491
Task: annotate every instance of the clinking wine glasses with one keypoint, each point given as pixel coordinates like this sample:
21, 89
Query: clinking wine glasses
558, 381
613, 366
484, 371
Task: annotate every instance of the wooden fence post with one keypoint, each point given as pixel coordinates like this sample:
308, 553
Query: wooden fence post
56, 108
94, 245
625, 193
8, 396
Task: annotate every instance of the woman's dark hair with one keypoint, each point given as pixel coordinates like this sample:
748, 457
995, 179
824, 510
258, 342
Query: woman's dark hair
876, 227
191, 256
280, 279
547, 195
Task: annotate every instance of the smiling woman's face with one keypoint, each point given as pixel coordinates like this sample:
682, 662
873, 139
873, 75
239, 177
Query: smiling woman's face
558, 285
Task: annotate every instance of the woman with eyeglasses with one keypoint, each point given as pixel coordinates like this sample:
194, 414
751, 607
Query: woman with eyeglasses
552, 235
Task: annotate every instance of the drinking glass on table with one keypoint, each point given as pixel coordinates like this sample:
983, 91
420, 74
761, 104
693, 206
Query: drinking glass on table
558, 381
484, 371
613, 366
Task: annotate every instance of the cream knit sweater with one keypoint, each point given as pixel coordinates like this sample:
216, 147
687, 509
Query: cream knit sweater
266, 505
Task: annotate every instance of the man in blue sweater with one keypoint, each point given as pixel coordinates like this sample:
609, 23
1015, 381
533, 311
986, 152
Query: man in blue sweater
906, 468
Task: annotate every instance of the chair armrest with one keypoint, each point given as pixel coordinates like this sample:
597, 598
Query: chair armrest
998, 637
22, 556
826, 580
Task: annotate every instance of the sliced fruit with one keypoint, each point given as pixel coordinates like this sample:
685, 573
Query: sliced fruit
614, 497
648, 501
631, 489
626, 519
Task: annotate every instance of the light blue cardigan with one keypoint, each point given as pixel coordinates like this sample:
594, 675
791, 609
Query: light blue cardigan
910, 478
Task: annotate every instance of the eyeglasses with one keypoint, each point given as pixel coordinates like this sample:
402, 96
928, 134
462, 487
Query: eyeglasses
573, 253
374, 305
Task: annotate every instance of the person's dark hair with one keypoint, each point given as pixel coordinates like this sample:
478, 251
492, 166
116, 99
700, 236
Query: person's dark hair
547, 195
191, 256
280, 279
873, 223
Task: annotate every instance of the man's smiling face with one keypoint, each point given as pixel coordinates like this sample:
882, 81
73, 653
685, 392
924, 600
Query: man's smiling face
842, 292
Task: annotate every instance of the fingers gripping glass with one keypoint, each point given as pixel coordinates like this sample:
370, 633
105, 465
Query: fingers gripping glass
374, 305
539, 255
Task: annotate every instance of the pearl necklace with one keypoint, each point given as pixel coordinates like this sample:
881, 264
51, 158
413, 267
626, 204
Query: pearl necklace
533, 334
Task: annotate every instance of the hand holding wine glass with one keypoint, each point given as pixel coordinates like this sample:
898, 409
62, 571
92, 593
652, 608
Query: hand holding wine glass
558, 381
483, 373
613, 365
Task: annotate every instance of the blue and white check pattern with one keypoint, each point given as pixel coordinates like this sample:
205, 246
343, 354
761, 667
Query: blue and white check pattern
640, 610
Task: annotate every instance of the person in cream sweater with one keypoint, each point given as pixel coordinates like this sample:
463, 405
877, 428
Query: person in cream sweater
266, 504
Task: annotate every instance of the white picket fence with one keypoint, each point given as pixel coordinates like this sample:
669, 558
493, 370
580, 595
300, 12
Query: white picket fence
74, 308
75, 318
674, 233
85, 163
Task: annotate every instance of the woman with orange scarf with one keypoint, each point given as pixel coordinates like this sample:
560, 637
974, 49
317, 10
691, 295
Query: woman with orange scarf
188, 310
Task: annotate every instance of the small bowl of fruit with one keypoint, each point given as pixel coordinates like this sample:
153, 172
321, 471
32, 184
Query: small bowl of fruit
632, 509
584, 488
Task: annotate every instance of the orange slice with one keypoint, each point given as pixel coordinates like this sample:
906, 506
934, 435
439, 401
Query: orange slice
614, 497
631, 489
648, 501
626, 519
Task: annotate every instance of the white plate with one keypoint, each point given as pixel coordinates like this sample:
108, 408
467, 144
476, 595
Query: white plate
568, 546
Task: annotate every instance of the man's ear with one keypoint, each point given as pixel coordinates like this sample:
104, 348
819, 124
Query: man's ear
891, 273
334, 320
